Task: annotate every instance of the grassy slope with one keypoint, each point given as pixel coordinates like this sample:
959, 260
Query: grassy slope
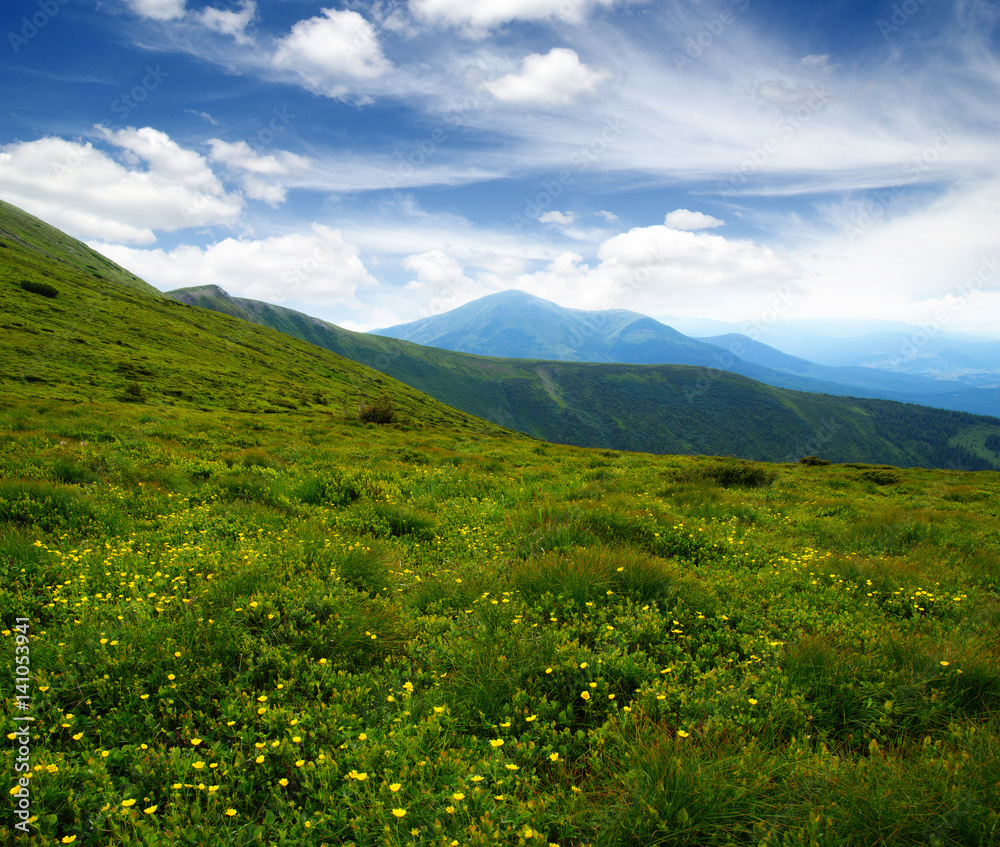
294, 629
98, 339
653, 408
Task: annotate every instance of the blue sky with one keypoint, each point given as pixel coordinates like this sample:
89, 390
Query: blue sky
371, 163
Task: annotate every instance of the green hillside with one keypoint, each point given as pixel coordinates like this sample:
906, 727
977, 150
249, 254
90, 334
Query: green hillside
234, 613
88, 331
649, 408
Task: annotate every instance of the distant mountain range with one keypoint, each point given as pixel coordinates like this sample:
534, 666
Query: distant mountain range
894, 346
648, 408
513, 324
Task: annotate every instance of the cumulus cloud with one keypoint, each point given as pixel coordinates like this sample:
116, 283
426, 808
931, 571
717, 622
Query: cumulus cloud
558, 218
643, 269
437, 273
330, 51
685, 219
158, 10
558, 78
241, 157
674, 260
320, 267
476, 18
154, 184
230, 23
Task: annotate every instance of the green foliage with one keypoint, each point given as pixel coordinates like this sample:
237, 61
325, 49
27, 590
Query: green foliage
589, 574
813, 461
380, 411
42, 288
364, 569
736, 472
672, 660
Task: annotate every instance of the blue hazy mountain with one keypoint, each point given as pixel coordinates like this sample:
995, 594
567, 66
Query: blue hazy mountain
514, 324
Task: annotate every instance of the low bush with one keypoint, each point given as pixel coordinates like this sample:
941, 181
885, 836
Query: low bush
380, 411
42, 288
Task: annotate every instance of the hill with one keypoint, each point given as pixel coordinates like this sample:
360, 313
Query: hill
91, 332
237, 614
649, 408
519, 325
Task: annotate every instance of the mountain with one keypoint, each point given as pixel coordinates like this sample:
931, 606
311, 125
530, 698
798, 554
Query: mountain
650, 408
893, 346
518, 325
866, 381
918, 352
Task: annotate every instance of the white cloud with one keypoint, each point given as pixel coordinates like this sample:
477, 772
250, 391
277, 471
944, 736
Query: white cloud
230, 23
242, 156
884, 255
789, 98
440, 280
329, 52
477, 17
155, 185
319, 267
557, 78
674, 261
816, 61
684, 219
558, 218
272, 193
158, 10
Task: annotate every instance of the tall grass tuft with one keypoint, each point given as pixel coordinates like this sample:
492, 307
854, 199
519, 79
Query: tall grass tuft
589, 573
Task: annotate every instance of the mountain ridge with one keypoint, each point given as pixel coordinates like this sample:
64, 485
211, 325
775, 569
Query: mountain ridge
546, 330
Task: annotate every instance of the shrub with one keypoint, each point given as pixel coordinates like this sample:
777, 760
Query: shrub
381, 411
42, 288
813, 461
134, 393
881, 476
739, 472
589, 573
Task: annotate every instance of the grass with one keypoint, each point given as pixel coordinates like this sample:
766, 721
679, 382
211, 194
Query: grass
257, 641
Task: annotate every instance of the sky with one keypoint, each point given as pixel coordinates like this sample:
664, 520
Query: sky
375, 162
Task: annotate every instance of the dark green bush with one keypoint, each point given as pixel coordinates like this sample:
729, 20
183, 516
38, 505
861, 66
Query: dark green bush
381, 411
42, 288
134, 393
731, 473
813, 461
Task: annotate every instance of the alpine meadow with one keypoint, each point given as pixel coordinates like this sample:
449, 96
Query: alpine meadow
257, 593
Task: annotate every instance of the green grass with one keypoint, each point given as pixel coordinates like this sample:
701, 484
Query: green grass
656, 675
252, 624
